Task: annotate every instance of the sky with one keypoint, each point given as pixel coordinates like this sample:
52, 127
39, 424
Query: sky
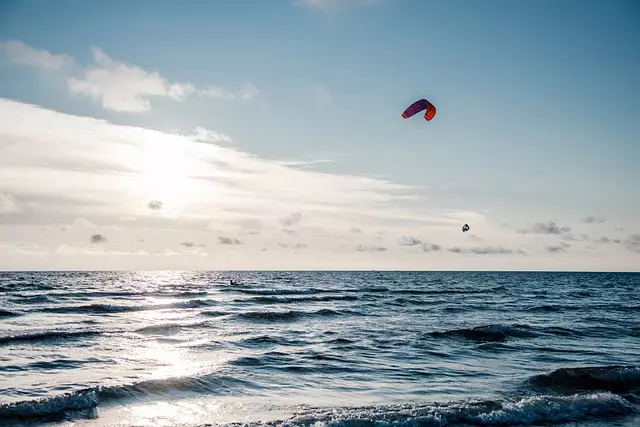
268, 135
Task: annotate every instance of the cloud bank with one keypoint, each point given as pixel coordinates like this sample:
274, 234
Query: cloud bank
77, 192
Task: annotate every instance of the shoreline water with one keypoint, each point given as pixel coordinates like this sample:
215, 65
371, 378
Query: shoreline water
327, 348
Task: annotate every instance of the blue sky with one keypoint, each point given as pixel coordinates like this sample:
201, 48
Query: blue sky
537, 101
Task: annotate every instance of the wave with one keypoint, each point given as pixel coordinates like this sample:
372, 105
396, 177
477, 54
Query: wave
87, 399
267, 340
447, 291
114, 308
167, 328
611, 378
268, 315
288, 315
132, 294
49, 365
30, 299
403, 301
50, 408
7, 313
527, 411
500, 332
275, 291
292, 300
372, 289
363, 290
216, 313
496, 332
551, 308
286, 362
48, 336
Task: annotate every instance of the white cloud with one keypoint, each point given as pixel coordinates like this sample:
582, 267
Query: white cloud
117, 85
204, 135
123, 87
20, 53
246, 92
8, 204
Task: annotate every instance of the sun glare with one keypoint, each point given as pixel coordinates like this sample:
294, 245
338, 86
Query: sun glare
165, 165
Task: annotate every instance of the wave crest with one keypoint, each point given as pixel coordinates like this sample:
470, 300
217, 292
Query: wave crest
529, 410
610, 378
496, 332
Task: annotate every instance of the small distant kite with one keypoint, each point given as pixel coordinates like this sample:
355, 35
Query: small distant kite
465, 228
418, 106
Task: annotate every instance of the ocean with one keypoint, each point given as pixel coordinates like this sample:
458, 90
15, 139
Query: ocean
319, 349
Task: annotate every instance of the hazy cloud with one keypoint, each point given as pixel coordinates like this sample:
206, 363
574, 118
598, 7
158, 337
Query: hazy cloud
562, 247
605, 239
483, 250
594, 219
193, 245
155, 205
291, 220
572, 237
246, 92
408, 241
549, 227
364, 248
83, 223
633, 243
367, 248
98, 238
43, 158
229, 241
489, 250
20, 53
8, 204
204, 135
431, 247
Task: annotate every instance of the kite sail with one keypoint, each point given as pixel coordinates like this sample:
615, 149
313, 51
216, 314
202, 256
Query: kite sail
418, 106
465, 228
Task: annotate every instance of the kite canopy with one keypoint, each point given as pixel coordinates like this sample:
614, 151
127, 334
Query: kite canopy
465, 228
418, 106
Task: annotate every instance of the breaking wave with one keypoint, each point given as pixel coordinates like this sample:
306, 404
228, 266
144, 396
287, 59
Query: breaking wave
525, 411
83, 400
610, 378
